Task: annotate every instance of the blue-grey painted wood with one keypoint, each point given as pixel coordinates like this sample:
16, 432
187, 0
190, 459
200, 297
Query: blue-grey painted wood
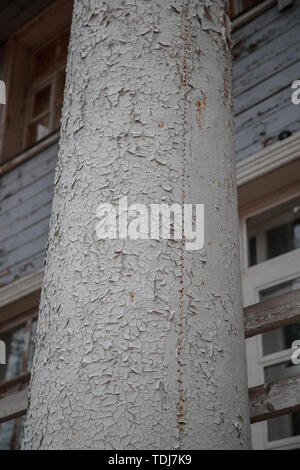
257, 33
25, 206
266, 62
22, 269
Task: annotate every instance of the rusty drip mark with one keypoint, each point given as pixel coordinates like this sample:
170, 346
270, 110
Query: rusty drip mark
201, 106
181, 321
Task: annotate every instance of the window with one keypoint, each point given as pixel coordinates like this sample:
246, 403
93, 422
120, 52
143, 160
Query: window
276, 346
45, 93
274, 232
19, 349
35, 62
281, 338
11, 434
19, 340
271, 267
18, 321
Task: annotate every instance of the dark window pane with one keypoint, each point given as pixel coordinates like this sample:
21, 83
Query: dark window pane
41, 101
283, 239
11, 434
283, 427
280, 371
252, 251
280, 339
44, 60
274, 232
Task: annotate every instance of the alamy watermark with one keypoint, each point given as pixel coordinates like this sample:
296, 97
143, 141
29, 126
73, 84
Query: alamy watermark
2, 353
163, 221
296, 94
2, 92
296, 352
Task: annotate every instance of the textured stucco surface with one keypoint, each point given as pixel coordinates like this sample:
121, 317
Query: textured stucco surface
140, 343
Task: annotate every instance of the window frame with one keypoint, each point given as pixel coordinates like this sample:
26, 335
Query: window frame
48, 78
266, 225
19, 302
264, 275
13, 389
43, 28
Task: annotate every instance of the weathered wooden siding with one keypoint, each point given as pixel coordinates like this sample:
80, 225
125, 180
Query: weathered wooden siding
266, 61
25, 205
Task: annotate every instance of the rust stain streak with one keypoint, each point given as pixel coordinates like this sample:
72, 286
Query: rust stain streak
181, 321
201, 106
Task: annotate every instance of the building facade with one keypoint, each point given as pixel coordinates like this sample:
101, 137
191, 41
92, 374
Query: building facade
266, 61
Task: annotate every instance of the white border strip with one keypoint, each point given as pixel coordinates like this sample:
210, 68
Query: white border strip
268, 159
18, 289
2, 92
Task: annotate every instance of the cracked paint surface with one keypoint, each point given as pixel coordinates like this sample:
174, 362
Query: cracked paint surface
114, 314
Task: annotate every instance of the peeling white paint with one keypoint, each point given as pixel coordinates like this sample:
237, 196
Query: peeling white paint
140, 344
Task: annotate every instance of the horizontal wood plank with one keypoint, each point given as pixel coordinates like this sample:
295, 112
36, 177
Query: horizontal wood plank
273, 313
274, 399
12, 384
14, 405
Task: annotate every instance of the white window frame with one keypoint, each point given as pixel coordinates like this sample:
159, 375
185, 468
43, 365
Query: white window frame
18, 305
256, 278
